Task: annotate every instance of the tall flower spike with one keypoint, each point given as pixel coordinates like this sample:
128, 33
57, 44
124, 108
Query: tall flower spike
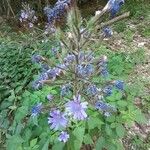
57, 120
76, 108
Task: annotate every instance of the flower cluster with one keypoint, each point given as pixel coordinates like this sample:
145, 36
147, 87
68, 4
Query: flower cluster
57, 120
56, 14
114, 7
27, 16
58, 11
102, 66
76, 108
63, 137
37, 58
65, 89
107, 32
104, 107
85, 70
92, 90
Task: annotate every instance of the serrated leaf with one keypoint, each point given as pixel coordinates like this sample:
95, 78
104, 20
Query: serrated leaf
45, 147
33, 142
94, 122
140, 117
108, 130
21, 113
58, 146
100, 143
122, 103
88, 139
120, 130
79, 134
14, 142
118, 96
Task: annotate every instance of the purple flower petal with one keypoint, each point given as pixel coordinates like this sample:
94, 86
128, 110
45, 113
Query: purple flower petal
76, 108
57, 120
63, 137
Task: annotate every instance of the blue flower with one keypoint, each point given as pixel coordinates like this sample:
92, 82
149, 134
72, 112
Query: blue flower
44, 67
104, 73
63, 137
107, 32
36, 110
92, 90
102, 66
76, 108
108, 90
52, 73
43, 76
37, 84
54, 50
57, 120
69, 59
65, 89
101, 106
114, 6
119, 84
104, 106
58, 11
37, 58
85, 70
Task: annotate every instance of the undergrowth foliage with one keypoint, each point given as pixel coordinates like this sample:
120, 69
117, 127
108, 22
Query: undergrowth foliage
76, 102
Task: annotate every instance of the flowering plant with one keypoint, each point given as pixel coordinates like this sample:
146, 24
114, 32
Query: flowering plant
91, 109
27, 17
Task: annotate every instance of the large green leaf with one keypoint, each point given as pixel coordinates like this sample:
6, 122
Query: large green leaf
100, 144
58, 146
79, 134
94, 122
120, 130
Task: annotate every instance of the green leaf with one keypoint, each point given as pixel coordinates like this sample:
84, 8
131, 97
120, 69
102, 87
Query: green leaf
58, 146
21, 113
45, 147
79, 134
88, 139
100, 143
14, 142
122, 103
118, 95
140, 117
111, 119
94, 122
108, 130
53, 92
120, 130
33, 142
